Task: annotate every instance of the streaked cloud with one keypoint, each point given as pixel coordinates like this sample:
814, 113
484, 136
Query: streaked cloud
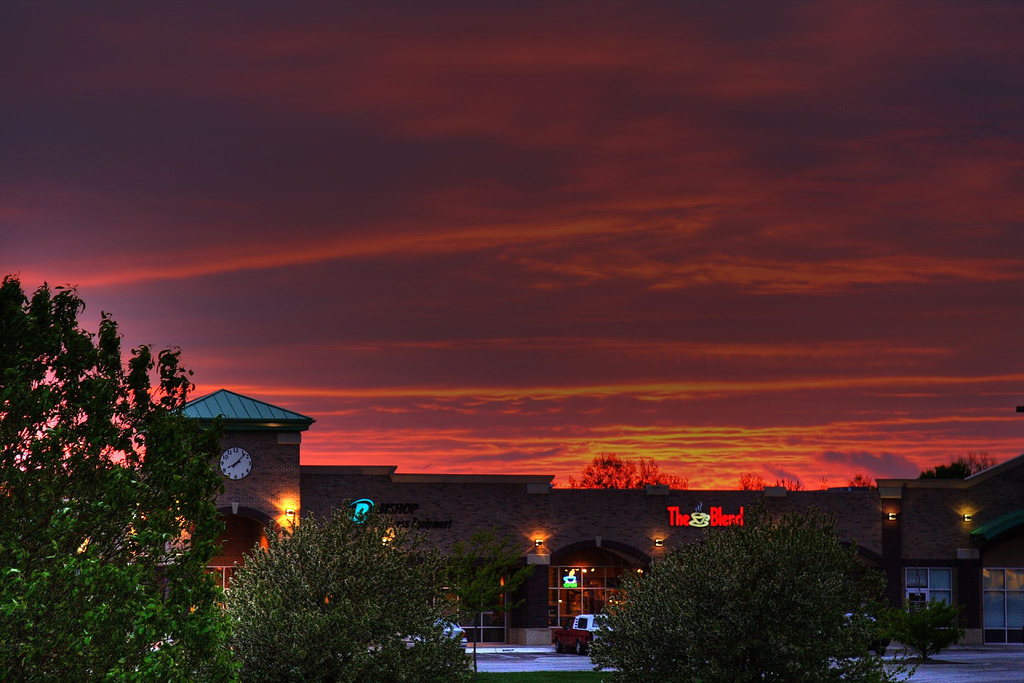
757, 237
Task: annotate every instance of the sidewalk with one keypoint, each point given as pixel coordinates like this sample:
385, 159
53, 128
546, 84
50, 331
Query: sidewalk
498, 648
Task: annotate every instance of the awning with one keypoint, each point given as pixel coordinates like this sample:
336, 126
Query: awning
995, 527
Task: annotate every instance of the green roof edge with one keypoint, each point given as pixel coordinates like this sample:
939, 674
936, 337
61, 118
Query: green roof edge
258, 415
999, 525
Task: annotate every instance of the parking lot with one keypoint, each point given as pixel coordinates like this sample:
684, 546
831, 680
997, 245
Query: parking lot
956, 665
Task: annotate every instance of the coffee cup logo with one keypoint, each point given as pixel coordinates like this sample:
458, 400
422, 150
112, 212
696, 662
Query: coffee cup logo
699, 519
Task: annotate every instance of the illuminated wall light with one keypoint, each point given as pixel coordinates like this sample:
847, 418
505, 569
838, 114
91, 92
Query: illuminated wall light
659, 542
538, 542
892, 516
290, 514
968, 516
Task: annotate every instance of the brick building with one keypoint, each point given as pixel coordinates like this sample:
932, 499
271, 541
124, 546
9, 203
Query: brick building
957, 540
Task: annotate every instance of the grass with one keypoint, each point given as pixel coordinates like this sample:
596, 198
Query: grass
546, 677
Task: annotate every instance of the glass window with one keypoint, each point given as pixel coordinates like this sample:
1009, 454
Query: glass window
1015, 609
1004, 604
993, 578
929, 583
917, 578
574, 590
994, 616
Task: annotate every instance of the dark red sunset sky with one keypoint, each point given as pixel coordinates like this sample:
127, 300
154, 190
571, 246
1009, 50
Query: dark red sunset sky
773, 237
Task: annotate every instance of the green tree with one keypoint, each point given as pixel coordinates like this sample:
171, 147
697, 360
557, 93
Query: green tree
343, 600
609, 471
485, 573
761, 602
961, 467
925, 629
107, 501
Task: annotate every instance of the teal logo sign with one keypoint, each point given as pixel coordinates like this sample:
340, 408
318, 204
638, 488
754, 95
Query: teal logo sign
570, 580
360, 508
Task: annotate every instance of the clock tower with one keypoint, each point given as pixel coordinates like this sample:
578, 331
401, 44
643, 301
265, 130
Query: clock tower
259, 461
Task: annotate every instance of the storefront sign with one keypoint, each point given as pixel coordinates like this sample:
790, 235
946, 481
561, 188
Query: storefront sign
699, 518
402, 512
570, 580
360, 508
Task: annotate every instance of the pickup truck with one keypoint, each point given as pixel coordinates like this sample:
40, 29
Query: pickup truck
577, 633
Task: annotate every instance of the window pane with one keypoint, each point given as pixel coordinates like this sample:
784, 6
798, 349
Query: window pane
917, 578
553, 576
994, 610
1015, 610
940, 578
944, 596
993, 578
1014, 579
571, 602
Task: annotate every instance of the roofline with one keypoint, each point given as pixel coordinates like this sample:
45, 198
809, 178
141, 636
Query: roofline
295, 424
970, 481
422, 478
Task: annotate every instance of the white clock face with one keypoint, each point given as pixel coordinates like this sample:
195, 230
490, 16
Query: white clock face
235, 463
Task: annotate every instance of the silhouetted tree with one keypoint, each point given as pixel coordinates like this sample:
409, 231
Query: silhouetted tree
609, 471
790, 484
962, 467
861, 481
751, 482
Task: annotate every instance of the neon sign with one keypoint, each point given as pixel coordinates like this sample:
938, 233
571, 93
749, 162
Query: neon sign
699, 518
570, 580
360, 508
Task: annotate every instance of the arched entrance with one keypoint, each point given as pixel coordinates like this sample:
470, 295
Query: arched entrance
584, 578
242, 532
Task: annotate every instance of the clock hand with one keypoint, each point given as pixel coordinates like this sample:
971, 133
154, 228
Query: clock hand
232, 465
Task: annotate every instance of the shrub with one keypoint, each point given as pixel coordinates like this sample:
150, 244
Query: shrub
764, 601
343, 600
926, 629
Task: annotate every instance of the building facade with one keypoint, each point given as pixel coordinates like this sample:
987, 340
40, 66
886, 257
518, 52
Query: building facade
955, 540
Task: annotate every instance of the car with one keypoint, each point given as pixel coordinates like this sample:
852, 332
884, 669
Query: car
448, 628
577, 633
455, 632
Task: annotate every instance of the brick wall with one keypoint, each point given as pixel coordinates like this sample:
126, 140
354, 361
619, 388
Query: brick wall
273, 484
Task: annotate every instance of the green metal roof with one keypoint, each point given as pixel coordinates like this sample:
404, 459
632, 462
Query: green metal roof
990, 530
242, 412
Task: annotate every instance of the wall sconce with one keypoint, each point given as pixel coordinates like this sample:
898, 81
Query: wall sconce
290, 514
968, 516
538, 542
659, 542
892, 517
